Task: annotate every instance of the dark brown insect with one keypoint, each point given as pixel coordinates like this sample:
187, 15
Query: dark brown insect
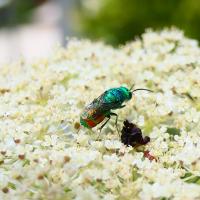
132, 135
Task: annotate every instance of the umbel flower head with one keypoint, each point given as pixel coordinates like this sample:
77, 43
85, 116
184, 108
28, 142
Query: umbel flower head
132, 135
43, 157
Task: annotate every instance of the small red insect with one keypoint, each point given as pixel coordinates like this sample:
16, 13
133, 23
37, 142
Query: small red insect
149, 156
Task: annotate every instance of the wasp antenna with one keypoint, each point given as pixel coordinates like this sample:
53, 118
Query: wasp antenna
141, 89
132, 86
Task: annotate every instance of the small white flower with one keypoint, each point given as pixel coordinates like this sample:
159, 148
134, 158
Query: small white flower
112, 144
88, 193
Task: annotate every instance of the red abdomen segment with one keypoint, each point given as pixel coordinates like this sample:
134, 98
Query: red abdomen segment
92, 123
91, 118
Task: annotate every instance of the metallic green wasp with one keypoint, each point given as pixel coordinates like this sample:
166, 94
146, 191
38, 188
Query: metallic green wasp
101, 107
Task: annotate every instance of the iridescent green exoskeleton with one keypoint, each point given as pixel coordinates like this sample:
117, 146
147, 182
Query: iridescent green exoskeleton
101, 107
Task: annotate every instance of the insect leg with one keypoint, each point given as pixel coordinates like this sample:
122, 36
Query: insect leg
114, 114
122, 106
104, 123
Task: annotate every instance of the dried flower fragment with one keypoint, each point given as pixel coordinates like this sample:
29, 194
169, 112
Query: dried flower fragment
132, 135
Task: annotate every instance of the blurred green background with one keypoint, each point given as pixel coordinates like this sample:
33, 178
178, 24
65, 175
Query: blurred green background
25, 24
113, 21
117, 21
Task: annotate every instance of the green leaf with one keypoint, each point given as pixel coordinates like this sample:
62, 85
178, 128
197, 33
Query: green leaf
173, 131
67, 190
11, 185
195, 180
187, 174
190, 178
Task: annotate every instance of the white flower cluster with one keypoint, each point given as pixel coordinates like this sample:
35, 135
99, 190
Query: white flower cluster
44, 156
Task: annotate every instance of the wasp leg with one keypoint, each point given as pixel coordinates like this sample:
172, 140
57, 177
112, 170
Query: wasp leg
114, 114
104, 123
118, 106
122, 106
103, 126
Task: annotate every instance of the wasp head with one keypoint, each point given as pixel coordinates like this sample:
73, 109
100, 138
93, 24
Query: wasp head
126, 93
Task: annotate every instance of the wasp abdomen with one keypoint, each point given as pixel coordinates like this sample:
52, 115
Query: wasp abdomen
91, 117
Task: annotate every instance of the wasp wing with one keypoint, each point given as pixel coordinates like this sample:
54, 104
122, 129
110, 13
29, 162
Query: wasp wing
107, 106
100, 107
